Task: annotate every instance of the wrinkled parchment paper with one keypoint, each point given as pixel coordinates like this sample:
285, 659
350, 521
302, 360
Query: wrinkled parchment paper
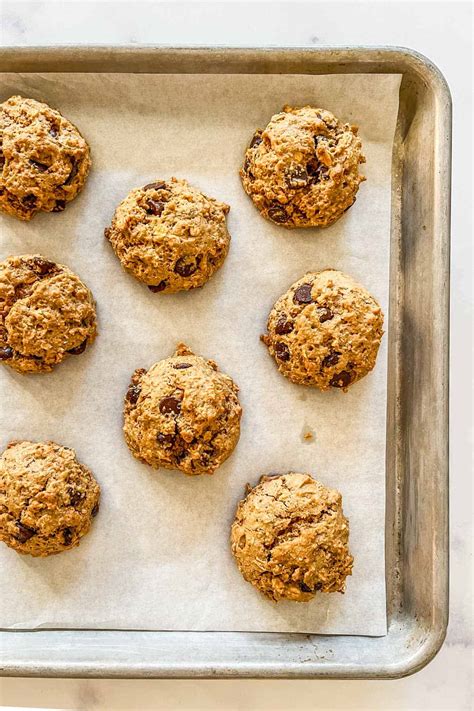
158, 556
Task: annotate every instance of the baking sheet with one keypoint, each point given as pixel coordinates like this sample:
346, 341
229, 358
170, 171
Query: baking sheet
158, 554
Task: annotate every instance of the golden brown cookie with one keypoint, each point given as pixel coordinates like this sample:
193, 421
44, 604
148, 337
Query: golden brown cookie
302, 169
44, 160
47, 498
46, 314
182, 414
170, 236
325, 331
290, 538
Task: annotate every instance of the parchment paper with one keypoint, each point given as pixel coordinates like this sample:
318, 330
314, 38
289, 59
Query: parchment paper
158, 556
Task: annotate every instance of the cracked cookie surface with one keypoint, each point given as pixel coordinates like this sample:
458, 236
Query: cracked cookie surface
302, 169
182, 414
47, 498
325, 331
170, 236
290, 538
44, 160
46, 314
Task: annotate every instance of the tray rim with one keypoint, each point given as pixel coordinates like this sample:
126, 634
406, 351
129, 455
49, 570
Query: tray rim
396, 60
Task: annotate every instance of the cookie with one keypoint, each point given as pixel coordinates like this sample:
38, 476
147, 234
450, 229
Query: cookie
182, 414
325, 331
46, 314
47, 498
302, 169
170, 236
290, 538
44, 160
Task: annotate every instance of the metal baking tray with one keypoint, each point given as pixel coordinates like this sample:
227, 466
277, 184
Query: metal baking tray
417, 426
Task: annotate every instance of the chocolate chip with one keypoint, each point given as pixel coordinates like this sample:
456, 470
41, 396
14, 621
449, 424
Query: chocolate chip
305, 588
133, 393
107, 233
24, 532
29, 200
41, 266
325, 314
317, 171
2, 159
75, 497
283, 326
170, 405
60, 206
330, 359
42, 167
167, 440
341, 380
316, 140
181, 366
95, 510
302, 294
277, 213
155, 288
53, 131
256, 139
282, 351
6, 353
155, 186
78, 349
155, 207
68, 534
297, 177
73, 173
185, 268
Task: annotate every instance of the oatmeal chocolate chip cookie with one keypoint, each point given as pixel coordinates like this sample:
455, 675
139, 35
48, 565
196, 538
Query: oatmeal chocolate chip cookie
302, 169
47, 498
182, 414
170, 236
44, 160
289, 538
46, 314
325, 331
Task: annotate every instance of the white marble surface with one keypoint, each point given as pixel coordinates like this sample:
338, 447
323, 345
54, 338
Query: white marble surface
442, 31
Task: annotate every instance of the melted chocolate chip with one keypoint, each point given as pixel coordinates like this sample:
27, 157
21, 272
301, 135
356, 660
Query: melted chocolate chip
24, 532
297, 177
29, 200
60, 206
73, 173
341, 380
95, 510
170, 405
42, 167
325, 314
155, 288
155, 207
256, 139
317, 171
185, 268
133, 393
167, 440
331, 359
42, 266
155, 186
75, 497
282, 351
302, 294
277, 213
283, 326
181, 366
68, 534
6, 353
78, 349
